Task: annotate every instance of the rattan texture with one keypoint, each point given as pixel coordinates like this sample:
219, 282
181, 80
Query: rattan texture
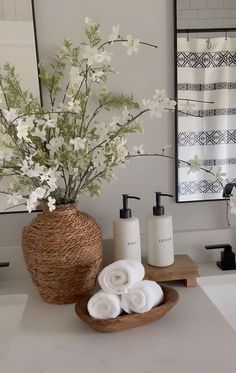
63, 253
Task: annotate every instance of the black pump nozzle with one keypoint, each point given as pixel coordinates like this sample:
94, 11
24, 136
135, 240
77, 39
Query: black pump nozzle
159, 210
126, 213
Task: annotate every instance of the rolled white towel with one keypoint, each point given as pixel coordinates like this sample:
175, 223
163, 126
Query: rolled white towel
104, 306
120, 276
143, 296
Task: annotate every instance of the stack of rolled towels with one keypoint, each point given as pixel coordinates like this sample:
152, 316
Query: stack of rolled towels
123, 289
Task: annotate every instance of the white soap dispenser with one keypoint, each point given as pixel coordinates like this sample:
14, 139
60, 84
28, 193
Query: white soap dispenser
160, 246
126, 233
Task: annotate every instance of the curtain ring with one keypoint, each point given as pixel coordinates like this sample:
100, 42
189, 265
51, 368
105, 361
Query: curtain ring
208, 41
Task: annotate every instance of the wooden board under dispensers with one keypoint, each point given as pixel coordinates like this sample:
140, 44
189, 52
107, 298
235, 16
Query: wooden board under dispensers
183, 268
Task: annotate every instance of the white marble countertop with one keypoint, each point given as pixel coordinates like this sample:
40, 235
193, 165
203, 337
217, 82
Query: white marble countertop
193, 337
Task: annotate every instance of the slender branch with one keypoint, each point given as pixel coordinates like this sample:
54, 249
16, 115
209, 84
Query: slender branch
173, 158
122, 39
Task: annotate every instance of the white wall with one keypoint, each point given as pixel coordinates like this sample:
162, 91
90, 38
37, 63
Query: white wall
206, 13
150, 20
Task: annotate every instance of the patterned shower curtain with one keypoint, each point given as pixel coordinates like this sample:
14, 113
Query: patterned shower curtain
206, 72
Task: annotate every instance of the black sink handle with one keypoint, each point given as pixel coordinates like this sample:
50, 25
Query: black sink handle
227, 256
5, 264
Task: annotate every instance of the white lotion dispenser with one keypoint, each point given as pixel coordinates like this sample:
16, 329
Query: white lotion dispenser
126, 233
160, 245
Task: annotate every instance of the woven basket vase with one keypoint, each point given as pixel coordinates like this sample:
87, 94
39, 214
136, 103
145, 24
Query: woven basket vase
63, 253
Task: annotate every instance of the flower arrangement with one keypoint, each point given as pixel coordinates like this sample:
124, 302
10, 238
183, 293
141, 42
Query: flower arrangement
54, 152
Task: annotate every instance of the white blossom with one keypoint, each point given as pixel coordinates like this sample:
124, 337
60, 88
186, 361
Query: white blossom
55, 144
114, 34
98, 157
97, 76
51, 123
131, 45
10, 115
90, 54
74, 106
51, 204
78, 143
75, 77
30, 205
115, 120
39, 133
138, 149
158, 103
23, 128
219, 174
102, 57
195, 164
89, 22
38, 194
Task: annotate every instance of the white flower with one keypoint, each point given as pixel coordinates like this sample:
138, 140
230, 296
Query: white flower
39, 133
98, 157
219, 174
14, 199
195, 164
89, 22
51, 123
10, 115
51, 204
115, 120
30, 205
75, 77
114, 34
74, 106
78, 143
138, 149
23, 128
90, 54
55, 144
102, 130
125, 114
131, 45
158, 103
37, 194
233, 201
103, 57
97, 76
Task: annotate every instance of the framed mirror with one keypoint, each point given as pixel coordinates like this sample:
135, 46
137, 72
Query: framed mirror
18, 46
205, 62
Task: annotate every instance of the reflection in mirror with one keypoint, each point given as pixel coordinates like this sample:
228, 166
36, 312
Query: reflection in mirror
206, 76
18, 48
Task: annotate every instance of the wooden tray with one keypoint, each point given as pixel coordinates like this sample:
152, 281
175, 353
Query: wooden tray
126, 321
183, 269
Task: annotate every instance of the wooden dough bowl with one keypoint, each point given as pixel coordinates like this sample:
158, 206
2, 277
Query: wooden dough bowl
127, 321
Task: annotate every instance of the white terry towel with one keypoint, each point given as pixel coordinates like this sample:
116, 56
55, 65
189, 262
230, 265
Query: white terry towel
104, 306
120, 276
143, 296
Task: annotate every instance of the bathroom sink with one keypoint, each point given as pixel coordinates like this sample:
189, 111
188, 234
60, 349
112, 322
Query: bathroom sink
222, 292
11, 311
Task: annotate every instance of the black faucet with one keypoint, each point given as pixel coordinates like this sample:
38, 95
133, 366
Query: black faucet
227, 256
5, 264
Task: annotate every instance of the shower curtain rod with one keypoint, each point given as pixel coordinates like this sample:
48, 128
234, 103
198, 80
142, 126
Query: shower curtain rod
200, 30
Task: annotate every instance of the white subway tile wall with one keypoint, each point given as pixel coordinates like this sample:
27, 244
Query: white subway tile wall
206, 13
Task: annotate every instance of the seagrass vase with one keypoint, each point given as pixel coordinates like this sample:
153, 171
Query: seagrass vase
63, 253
